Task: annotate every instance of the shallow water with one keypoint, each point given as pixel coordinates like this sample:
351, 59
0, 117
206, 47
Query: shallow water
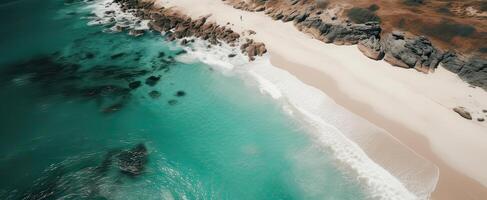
70, 123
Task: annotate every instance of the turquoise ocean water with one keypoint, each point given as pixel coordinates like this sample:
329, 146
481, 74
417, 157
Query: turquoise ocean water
71, 126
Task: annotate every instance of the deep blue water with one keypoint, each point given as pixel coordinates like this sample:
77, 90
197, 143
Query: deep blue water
72, 128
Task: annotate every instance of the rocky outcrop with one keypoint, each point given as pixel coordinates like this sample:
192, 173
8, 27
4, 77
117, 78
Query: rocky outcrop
463, 112
471, 70
396, 48
132, 162
411, 52
371, 48
253, 49
338, 33
175, 25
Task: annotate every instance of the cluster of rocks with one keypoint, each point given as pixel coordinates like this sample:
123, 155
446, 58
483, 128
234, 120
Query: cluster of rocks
111, 86
396, 48
132, 162
178, 26
463, 112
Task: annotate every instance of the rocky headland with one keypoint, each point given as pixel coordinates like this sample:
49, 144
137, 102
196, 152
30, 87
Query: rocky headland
345, 23
175, 25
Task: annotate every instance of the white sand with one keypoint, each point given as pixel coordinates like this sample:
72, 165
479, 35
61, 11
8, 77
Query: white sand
409, 99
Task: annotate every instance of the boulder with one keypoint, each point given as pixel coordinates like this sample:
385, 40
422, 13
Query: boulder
136, 33
371, 48
463, 112
132, 162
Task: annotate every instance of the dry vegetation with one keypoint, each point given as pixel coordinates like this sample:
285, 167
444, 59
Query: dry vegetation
450, 24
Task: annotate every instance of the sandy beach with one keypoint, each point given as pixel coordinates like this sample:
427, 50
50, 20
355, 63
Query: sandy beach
413, 107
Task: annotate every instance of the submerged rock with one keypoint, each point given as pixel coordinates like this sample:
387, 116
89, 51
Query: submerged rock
135, 84
114, 108
180, 93
181, 52
117, 55
463, 112
104, 91
132, 162
154, 94
136, 33
152, 80
172, 102
88, 55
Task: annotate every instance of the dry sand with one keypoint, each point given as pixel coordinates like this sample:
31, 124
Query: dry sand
415, 108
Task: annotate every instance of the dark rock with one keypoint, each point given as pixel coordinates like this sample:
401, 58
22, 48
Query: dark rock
116, 56
339, 33
301, 17
473, 70
184, 42
89, 55
232, 55
180, 93
253, 49
371, 48
152, 80
480, 119
415, 52
113, 108
172, 102
132, 162
161, 54
463, 112
135, 84
154, 94
181, 52
136, 33
104, 91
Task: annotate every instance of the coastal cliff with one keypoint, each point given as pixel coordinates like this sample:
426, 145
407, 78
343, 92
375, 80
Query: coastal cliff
346, 23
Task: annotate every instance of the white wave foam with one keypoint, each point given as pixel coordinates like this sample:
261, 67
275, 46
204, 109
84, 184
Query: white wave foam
321, 113
107, 12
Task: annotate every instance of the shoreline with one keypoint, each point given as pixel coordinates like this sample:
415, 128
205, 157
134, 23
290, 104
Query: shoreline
449, 177
419, 112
